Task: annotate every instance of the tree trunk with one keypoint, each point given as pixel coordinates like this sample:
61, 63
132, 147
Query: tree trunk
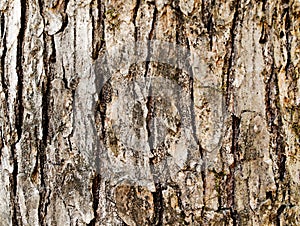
149, 112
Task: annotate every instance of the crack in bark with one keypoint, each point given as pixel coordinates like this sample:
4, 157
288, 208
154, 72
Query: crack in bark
105, 96
192, 105
273, 115
228, 71
150, 109
46, 90
16, 220
65, 19
135, 11
19, 67
229, 61
287, 37
150, 37
234, 149
13, 181
64, 79
3, 55
1, 145
264, 36
279, 212
97, 27
149, 103
95, 192
207, 19
158, 205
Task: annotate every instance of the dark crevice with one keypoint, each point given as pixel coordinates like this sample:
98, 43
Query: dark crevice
182, 40
20, 108
65, 22
210, 27
230, 59
42, 148
41, 211
234, 217
19, 112
64, 76
41, 7
135, 12
158, 205
1, 144
150, 104
273, 115
180, 37
65, 19
97, 28
264, 5
2, 64
2, 24
288, 36
46, 91
74, 46
66, 2
150, 109
4, 51
228, 78
150, 37
279, 212
264, 37
203, 178
61, 11
280, 151
35, 171
13, 181
234, 150
105, 96
45, 104
207, 19
192, 105
269, 195
95, 192
53, 50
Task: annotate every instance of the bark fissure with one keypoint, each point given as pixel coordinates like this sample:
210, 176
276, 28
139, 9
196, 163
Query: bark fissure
229, 61
46, 92
135, 12
234, 150
4, 51
192, 105
274, 118
158, 205
150, 37
20, 45
95, 193
98, 40
279, 212
19, 113
149, 105
288, 36
13, 181
207, 18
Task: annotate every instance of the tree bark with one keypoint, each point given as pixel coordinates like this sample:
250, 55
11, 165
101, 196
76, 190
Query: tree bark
149, 112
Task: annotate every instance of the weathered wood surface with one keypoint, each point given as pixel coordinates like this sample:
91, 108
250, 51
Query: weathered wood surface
149, 112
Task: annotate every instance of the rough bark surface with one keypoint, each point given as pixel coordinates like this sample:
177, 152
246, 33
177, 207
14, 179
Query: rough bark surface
85, 144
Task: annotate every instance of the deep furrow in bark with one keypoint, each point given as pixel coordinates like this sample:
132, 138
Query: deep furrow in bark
150, 37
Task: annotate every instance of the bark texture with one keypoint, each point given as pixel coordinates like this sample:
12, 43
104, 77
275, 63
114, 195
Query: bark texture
82, 143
